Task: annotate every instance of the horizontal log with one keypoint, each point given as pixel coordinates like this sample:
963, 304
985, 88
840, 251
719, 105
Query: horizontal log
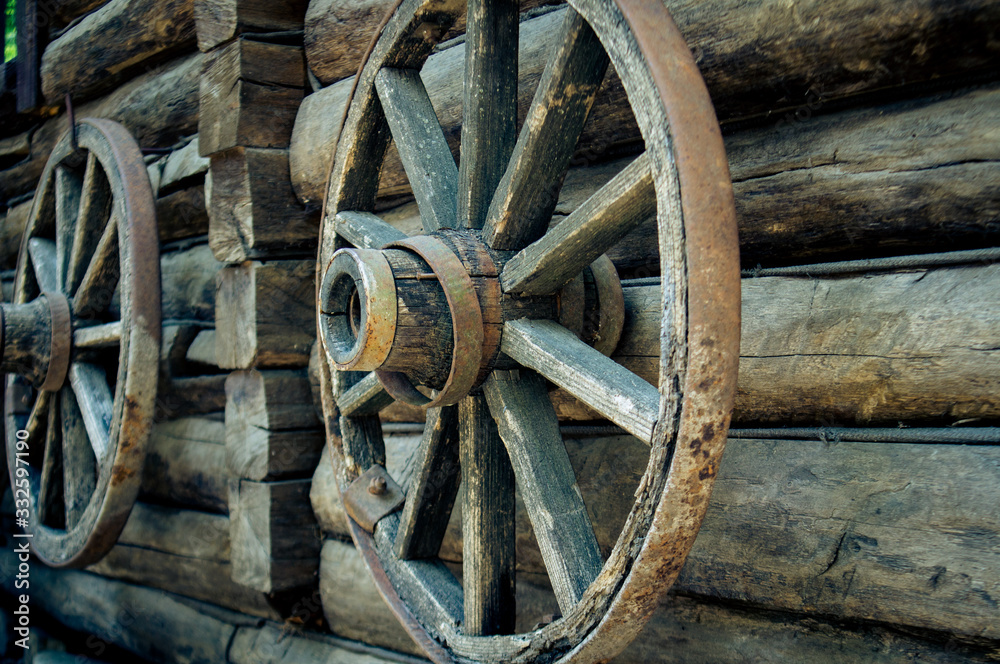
279, 400
185, 386
252, 209
183, 552
684, 629
115, 42
865, 182
182, 214
188, 284
218, 21
868, 531
274, 644
337, 32
181, 167
158, 108
265, 314
14, 148
202, 349
153, 624
186, 465
250, 92
275, 540
11, 231
64, 11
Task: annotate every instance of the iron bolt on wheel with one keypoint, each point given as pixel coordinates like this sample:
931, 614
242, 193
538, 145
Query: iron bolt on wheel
478, 312
81, 344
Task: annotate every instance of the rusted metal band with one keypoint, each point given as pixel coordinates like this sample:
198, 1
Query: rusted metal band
61, 341
368, 271
467, 326
610, 305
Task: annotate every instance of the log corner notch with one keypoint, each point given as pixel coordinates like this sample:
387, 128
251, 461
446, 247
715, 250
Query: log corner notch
218, 21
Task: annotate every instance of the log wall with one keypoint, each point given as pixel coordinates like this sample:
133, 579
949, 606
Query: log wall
854, 129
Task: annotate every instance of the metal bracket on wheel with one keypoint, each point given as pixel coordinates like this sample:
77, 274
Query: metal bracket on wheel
372, 496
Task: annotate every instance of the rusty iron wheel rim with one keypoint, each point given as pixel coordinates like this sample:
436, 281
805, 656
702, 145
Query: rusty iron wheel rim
701, 301
108, 148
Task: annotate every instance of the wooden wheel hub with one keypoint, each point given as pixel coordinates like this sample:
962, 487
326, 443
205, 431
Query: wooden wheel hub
35, 340
431, 309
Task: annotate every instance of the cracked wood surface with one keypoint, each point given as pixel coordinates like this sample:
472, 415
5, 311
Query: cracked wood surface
864, 531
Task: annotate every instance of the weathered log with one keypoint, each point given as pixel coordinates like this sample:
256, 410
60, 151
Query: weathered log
250, 92
758, 58
114, 43
265, 314
183, 166
187, 387
11, 231
64, 11
14, 148
182, 214
685, 629
202, 349
890, 538
252, 209
863, 182
275, 539
272, 430
186, 464
188, 284
273, 644
158, 108
153, 624
219, 21
334, 52
183, 552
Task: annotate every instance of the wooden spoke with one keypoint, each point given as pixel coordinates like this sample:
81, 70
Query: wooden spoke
529, 429
95, 208
527, 194
69, 184
593, 228
366, 231
488, 557
38, 415
101, 278
431, 493
43, 261
489, 107
596, 380
98, 336
366, 397
51, 465
362, 434
79, 463
95, 400
422, 147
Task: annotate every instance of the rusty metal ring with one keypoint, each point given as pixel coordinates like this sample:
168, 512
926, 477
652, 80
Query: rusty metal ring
610, 305
61, 340
374, 283
467, 326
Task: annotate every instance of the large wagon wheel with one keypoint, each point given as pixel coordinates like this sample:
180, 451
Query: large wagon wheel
471, 310
81, 344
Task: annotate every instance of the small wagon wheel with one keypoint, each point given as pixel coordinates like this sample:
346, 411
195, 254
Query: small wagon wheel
81, 344
473, 310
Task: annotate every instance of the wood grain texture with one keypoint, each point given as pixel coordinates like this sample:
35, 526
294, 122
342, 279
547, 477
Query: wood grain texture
250, 92
122, 38
183, 552
275, 400
219, 21
756, 59
489, 105
546, 482
265, 314
864, 531
275, 540
158, 108
252, 209
186, 465
488, 518
425, 155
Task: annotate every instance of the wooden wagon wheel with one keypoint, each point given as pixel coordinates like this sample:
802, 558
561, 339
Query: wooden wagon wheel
81, 344
473, 310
